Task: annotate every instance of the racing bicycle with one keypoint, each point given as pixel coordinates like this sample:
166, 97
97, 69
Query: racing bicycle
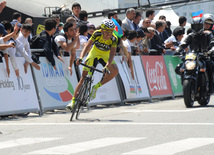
83, 98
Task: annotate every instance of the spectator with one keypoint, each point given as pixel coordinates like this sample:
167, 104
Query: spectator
162, 17
139, 41
70, 20
76, 8
182, 21
68, 42
16, 19
121, 48
136, 20
83, 17
156, 41
29, 21
2, 6
168, 28
47, 42
146, 22
150, 32
23, 47
127, 23
178, 34
60, 27
112, 14
150, 14
91, 29
56, 17
83, 30
119, 21
128, 43
153, 25
5, 44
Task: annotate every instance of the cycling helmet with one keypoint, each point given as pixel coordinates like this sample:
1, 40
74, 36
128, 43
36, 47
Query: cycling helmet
107, 24
197, 24
208, 18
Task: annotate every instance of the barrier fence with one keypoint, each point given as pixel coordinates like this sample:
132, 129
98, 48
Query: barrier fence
49, 89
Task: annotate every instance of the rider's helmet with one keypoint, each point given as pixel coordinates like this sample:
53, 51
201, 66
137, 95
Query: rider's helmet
209, 19
197, 24
107, 24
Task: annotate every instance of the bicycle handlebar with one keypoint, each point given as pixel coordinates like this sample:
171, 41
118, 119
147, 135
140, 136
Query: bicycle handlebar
91, 67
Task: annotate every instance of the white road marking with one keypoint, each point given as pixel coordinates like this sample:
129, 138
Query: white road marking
110, 123
165, 111
174, 147
84, 146
23, 141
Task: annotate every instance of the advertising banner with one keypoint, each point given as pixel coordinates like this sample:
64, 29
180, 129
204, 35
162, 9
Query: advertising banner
175, 79
18, 95
56, 87
135, 89
157, 76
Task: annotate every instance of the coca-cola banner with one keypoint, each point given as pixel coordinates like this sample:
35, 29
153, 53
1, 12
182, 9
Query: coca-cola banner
157, 76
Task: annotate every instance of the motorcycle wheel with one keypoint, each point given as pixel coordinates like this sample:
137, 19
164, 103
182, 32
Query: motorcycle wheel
204, 100
188, 90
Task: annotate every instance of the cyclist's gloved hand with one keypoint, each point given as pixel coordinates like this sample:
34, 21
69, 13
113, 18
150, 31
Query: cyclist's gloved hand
79, 60
105, 70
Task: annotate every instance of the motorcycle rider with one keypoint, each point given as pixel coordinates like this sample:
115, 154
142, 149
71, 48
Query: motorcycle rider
199, 40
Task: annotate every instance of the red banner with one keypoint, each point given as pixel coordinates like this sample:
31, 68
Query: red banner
157, 76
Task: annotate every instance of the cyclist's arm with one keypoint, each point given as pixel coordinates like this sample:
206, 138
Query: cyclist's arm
86, 48
111, 56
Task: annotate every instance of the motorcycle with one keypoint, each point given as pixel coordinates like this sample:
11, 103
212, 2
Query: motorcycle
194, 78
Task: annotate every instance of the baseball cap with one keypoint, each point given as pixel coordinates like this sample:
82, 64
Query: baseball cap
2, 30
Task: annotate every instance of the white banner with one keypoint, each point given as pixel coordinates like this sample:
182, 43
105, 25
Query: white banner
18, 95
56, 87
135, 89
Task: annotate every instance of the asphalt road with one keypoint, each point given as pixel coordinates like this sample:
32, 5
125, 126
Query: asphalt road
160, 128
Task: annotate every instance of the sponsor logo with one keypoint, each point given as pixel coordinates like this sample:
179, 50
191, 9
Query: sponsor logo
156, 79
55, 79
7, 84
20, 85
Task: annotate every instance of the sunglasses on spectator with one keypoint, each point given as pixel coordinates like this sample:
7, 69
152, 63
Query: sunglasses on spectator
148, 22
90, 28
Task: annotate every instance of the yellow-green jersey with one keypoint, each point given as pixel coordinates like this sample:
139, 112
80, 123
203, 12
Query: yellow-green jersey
101, 49
101, 45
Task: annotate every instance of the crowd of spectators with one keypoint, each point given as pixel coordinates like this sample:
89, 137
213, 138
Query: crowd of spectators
140, 36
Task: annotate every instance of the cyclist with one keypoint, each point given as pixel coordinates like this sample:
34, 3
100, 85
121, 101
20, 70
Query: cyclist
103, 51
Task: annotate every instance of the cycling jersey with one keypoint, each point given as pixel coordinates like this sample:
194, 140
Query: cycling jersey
101, 48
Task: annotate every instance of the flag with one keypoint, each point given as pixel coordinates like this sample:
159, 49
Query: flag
197, 14
118, 31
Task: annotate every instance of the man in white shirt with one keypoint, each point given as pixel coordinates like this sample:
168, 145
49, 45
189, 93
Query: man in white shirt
178, 34
23, 47
66, 43
127, 23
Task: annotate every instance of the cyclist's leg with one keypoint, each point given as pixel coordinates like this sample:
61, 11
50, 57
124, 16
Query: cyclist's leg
113, 72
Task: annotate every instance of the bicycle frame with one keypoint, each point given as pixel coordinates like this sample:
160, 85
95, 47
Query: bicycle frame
83, 94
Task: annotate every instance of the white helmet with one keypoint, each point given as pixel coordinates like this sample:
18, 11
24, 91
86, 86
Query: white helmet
208, 18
